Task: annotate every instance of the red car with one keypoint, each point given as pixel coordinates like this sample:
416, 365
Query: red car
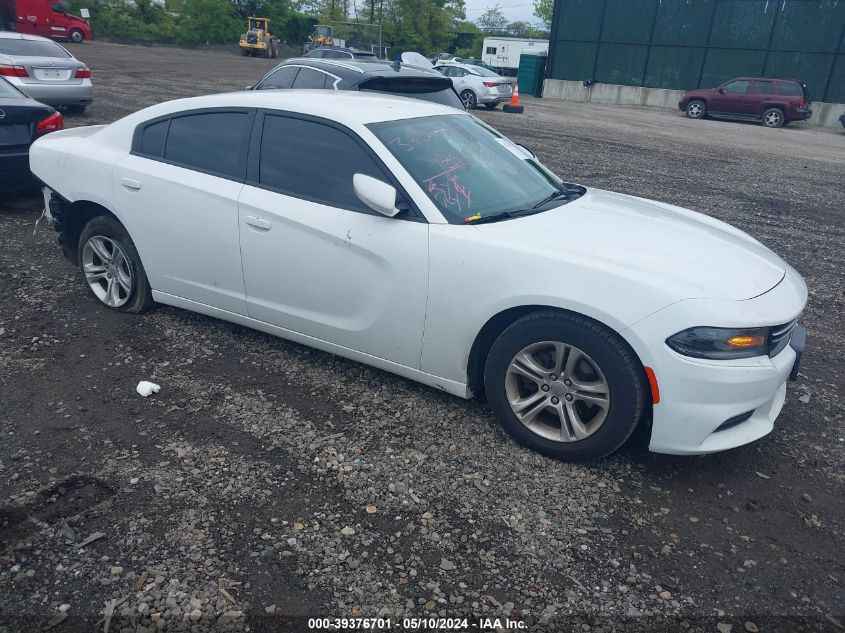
773, 102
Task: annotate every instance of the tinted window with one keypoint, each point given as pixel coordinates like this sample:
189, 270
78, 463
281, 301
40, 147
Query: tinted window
282, 78
790, 89
735, 87
310, 78
152, 139
313, 161
337, 55
32, 48
419, 88
319, 53
208, 142
761, 88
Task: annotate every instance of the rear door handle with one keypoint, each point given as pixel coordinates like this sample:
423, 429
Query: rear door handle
259, 223
129, 183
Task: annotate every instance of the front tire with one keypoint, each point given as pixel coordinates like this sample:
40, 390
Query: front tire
696, 109
469, 99
76, 36
112, 268
565, 386
773, 117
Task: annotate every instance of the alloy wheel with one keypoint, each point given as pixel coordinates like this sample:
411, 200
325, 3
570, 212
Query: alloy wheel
468, 99
557, 391
773, 118
695, 110
107, 270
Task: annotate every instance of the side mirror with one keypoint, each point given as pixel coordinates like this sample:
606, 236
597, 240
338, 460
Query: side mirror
526, 151
248, 87
721, 91
377, 195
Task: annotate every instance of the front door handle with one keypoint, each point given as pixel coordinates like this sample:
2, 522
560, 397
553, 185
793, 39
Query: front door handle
129, 183
259, 223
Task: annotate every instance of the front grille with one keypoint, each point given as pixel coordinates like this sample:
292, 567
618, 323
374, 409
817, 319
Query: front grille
779, 337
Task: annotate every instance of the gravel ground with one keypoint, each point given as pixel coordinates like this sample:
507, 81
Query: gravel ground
267, 482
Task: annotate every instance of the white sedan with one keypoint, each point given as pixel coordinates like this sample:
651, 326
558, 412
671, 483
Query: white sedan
414, 238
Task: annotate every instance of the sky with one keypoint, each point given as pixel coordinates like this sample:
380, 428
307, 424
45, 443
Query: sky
513, 9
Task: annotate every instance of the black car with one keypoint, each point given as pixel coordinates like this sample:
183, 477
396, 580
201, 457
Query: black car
22, 120
373, 76
339, 52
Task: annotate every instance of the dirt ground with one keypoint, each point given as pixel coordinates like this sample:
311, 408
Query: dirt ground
268, 483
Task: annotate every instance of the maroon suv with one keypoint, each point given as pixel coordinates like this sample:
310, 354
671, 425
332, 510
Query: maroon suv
773, 102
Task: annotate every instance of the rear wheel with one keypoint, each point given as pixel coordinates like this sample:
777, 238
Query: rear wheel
76, 36
469, 99
112, 267
565, 386
773, 117
696, 109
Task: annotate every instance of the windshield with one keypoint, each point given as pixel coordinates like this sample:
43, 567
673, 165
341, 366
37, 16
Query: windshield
31, 48
467, 171
9, 92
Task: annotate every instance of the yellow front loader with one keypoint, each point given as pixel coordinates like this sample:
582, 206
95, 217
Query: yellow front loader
257, 41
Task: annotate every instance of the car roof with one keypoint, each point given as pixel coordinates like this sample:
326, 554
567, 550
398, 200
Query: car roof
350, 108
12, 35
362, 68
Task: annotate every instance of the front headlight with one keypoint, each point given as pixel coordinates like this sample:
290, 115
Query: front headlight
720, 343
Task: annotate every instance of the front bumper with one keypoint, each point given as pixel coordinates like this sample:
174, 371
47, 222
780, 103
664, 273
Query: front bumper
698, 396
81, 93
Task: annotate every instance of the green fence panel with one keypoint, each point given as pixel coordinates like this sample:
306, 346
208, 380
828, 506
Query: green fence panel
721, 64
743, 23
621, 64
810, 26
574, 60
683, 23
628, 21
673, 67
580, 20
836, 85
811, 68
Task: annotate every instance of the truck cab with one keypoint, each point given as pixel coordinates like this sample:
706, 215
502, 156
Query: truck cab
47, 18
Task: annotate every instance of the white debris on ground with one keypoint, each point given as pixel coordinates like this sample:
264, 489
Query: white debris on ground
145, 388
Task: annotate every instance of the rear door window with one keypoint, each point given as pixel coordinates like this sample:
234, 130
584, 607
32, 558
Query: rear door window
308, 78
211, 142
282, 78
313, 161
760, 87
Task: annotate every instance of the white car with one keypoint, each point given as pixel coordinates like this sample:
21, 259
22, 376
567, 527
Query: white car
476, 85
414, 238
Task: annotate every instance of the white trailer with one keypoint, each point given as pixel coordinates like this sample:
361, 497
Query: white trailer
502, 53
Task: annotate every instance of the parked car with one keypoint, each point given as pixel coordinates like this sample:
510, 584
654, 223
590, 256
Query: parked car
49, 18
45, 70
22, 120
368, 76
774, 102
476, 85
413, 237
340, 52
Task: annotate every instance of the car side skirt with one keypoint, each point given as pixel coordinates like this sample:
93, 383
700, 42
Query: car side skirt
449, 386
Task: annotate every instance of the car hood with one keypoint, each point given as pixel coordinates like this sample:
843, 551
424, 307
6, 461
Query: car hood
689, 254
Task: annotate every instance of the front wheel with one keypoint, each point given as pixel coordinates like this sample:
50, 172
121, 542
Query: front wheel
773, 117
695, 109
469, 99
112, 267
565, 386
76, 36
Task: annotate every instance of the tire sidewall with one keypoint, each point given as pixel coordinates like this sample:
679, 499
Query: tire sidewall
625, 404
140, 297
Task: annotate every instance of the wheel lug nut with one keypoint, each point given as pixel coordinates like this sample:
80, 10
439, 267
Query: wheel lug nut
568, 383
545, 387
553, 377
568, 397
555, 400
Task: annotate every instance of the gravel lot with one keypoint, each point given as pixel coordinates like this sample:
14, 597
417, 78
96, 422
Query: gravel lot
268, 482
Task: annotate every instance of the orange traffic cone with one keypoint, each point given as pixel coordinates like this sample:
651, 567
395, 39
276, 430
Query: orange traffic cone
514, 107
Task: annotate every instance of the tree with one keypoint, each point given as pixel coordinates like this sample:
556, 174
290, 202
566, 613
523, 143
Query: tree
521, 29
492, 20
543, 9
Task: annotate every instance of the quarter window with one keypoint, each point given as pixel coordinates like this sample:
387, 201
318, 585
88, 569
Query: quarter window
310, 78
209, 142
152, 139
282, 78
790, 89
324, 172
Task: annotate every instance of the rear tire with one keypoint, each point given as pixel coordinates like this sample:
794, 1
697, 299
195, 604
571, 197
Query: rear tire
696, 109
76, 36
582, 395
469, 99
112, 268
773, 117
